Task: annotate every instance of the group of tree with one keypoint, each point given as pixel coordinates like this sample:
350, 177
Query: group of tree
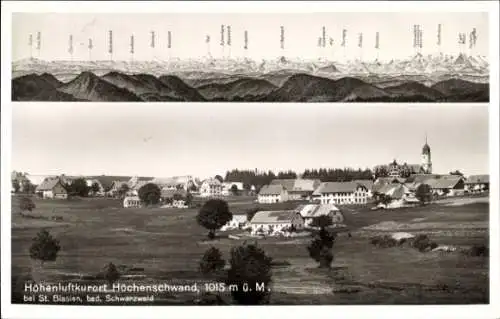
149, 194
338, 174
77, 187
249, 271
213, 215
250, 177
321, 247
25, 186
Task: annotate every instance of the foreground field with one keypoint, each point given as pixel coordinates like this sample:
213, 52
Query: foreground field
165, 245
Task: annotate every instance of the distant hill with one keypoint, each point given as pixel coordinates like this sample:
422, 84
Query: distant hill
305, 87
89, 86
414, 89
460, 87
33, 87
181, 89
245, 87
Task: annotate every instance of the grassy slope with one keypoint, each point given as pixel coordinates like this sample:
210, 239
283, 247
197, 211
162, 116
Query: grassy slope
168, 244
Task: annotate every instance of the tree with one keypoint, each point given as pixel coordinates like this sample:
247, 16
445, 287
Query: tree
78, 187
321, 246
95, 188
123, 190
15, 185
213, 215
189, 199
250, 268
423, 193
111, 273
26, 204
192, 188
212, 261
28, 187
381, 198
247, 186
381, 171
177, 196
251, 213
150, 194
219, 178
44, 247
234, 190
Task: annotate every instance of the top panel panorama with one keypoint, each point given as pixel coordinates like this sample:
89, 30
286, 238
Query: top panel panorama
254, 57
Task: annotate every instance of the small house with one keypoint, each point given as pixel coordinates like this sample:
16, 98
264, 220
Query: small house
211, 188
270, 222
52, 188
272, 194
131, 201
477, 183
237, 222
311, 211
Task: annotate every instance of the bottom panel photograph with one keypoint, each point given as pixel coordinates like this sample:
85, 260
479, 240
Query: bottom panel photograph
170, 204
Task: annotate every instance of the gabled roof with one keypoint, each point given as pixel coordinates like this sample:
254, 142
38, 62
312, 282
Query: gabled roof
212, 181
441, 183
478, 179
288, 184
274, 217
271, 189
298, 184
107, 181
316, 210
240, 218
339, 187
395, 191
421, 178
366, 182
48, 184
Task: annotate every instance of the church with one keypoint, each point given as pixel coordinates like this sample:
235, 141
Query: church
395, 169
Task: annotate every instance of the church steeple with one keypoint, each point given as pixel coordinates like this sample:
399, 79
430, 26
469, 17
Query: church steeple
426, 165
426, 149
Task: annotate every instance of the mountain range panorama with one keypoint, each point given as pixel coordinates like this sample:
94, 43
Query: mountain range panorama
117, 86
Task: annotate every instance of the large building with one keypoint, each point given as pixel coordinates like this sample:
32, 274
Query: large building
343, 193
395, 169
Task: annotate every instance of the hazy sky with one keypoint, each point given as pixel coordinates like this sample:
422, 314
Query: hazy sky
204, 140
189, 31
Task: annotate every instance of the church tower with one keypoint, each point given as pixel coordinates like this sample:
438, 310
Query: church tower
426, 165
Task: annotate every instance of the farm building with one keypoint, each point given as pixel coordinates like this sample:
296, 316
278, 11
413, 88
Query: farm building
343, 193
298, 188
477, 183
52, 188
400, 195
368, 184
131, 201
227, 188
175, 198
269, 222
272, 194
237, 222
311, 211
447, 186
211, 187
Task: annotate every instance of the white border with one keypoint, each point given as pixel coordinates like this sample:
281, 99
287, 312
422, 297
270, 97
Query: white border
53, 312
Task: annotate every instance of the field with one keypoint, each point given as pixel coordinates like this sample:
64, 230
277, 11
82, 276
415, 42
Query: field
165, 245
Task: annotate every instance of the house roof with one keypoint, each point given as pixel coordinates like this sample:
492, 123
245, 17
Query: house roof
477, 179
274, 217
212, 181
48, 184
298, 184
395, 191
288, 184
421, 178
271, 189
339, 187
316, 210
173, 180
107, 181
440, 183
366, 182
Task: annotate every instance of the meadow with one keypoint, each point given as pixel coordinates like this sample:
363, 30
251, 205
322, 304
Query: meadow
166, 245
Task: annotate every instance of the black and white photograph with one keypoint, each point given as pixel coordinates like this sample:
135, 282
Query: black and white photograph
252, 156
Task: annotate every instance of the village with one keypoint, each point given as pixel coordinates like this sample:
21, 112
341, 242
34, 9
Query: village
392, 186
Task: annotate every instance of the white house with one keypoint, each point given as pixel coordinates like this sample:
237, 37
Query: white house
477, 183
272, 194
311, 211
211, 187
52, 188
227, 187
174, 198
271, 222
131, 201
237, 222
343, 193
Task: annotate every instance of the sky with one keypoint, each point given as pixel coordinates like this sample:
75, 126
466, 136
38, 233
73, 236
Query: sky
204, 140
189, 31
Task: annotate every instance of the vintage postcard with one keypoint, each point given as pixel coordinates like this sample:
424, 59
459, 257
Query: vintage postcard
256, 154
